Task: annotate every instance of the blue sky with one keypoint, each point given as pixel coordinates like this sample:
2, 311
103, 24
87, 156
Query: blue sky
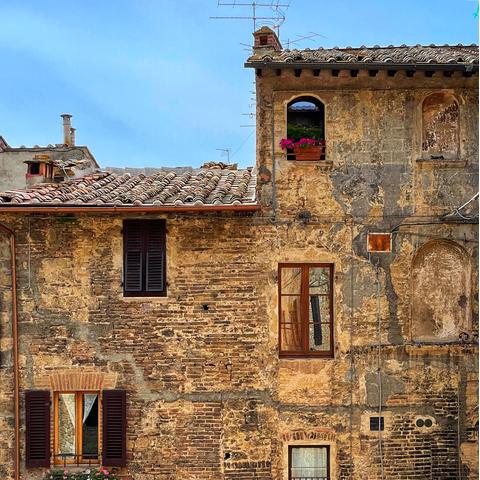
157, 83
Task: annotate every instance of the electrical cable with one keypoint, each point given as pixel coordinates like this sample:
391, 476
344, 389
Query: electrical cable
379, 374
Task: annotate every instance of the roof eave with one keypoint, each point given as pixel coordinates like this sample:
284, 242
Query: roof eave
365, 66
16, 208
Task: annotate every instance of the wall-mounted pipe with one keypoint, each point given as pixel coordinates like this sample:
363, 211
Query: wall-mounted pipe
16, 389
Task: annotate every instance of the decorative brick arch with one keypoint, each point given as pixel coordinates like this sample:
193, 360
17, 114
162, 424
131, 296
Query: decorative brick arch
77, 380
322, 435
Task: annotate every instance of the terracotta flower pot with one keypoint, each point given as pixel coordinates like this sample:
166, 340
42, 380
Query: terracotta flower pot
309, 153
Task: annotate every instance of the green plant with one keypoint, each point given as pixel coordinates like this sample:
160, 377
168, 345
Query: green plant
296, 132
87, 474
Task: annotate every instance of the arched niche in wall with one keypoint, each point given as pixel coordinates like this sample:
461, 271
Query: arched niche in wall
440, 292
306, 120
440, 126
306, 117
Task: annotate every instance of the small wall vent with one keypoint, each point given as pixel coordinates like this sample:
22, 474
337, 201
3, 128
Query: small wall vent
379, 242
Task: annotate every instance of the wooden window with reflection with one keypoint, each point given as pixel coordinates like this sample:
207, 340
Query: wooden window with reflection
305, 309
76, 419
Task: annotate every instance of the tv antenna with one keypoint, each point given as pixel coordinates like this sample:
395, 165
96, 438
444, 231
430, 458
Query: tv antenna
276, 19
225, 153
301, 38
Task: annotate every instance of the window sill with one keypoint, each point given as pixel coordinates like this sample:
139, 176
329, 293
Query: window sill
319, 164
306, 357
441, 163
140, 299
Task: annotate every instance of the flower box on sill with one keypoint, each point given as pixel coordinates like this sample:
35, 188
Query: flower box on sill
306, 149
310, 153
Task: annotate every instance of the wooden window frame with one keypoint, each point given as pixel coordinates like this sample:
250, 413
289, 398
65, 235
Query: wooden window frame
291, 447
304, 311
78, 458
145, 292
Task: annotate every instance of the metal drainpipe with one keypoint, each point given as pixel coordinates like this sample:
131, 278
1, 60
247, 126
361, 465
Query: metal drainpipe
274, 187
16, 391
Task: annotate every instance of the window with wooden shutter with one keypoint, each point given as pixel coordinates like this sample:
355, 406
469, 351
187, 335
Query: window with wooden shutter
114, 428
37, 434
144, 258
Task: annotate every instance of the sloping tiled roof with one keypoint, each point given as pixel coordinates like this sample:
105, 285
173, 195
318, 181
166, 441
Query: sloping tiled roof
169, 187
406, 55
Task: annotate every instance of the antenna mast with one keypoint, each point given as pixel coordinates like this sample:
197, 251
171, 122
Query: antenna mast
225, 151
276, 19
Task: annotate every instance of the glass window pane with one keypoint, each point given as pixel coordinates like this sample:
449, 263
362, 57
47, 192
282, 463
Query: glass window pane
291, 280
319, 323
319, 280
290, 324
309, 463
90, 426
66, 424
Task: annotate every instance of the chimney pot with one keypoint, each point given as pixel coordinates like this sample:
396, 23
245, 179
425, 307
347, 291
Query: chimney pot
72, 136
67, 139
266, 39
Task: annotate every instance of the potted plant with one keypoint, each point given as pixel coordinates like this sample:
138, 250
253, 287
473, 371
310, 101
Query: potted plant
306, 143
86, 474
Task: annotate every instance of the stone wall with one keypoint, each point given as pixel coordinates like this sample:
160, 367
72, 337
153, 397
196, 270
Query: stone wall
208, 396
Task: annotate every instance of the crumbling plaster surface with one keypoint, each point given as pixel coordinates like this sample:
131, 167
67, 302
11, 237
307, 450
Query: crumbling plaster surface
208, 396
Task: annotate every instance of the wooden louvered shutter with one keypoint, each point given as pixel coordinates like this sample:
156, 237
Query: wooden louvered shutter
37, 434
144, 257
155, 256
133, 256
114, 413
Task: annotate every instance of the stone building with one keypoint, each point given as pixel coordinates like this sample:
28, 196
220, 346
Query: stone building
308, 318
22, 166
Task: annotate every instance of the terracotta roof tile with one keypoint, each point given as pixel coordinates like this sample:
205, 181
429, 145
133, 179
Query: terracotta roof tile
169, 187
407, 55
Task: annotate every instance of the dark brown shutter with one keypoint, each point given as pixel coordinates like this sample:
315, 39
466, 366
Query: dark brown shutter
37, 434
133, 256
114, 415
144, 257
155, 256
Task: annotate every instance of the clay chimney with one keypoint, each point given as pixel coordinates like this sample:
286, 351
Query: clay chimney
266, 39
67, 138
72, 135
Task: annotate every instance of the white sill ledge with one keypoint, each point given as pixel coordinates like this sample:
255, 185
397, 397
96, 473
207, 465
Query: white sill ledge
441, 163
319, 164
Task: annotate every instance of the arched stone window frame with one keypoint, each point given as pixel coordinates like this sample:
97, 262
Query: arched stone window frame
426, 155
302, 97
466, 326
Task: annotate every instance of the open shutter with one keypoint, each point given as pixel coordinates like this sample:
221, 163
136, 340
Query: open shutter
37, 434
114, 428
155, 256
133, 256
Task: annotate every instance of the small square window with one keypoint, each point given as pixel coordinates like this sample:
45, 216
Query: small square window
379, 242
377, 424
34, 169
309, 463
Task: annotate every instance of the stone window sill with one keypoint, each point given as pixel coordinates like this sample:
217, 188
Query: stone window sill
441, 163
320, 164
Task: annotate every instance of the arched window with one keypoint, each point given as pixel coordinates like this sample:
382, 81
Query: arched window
440, 136
440, 292
306, 120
